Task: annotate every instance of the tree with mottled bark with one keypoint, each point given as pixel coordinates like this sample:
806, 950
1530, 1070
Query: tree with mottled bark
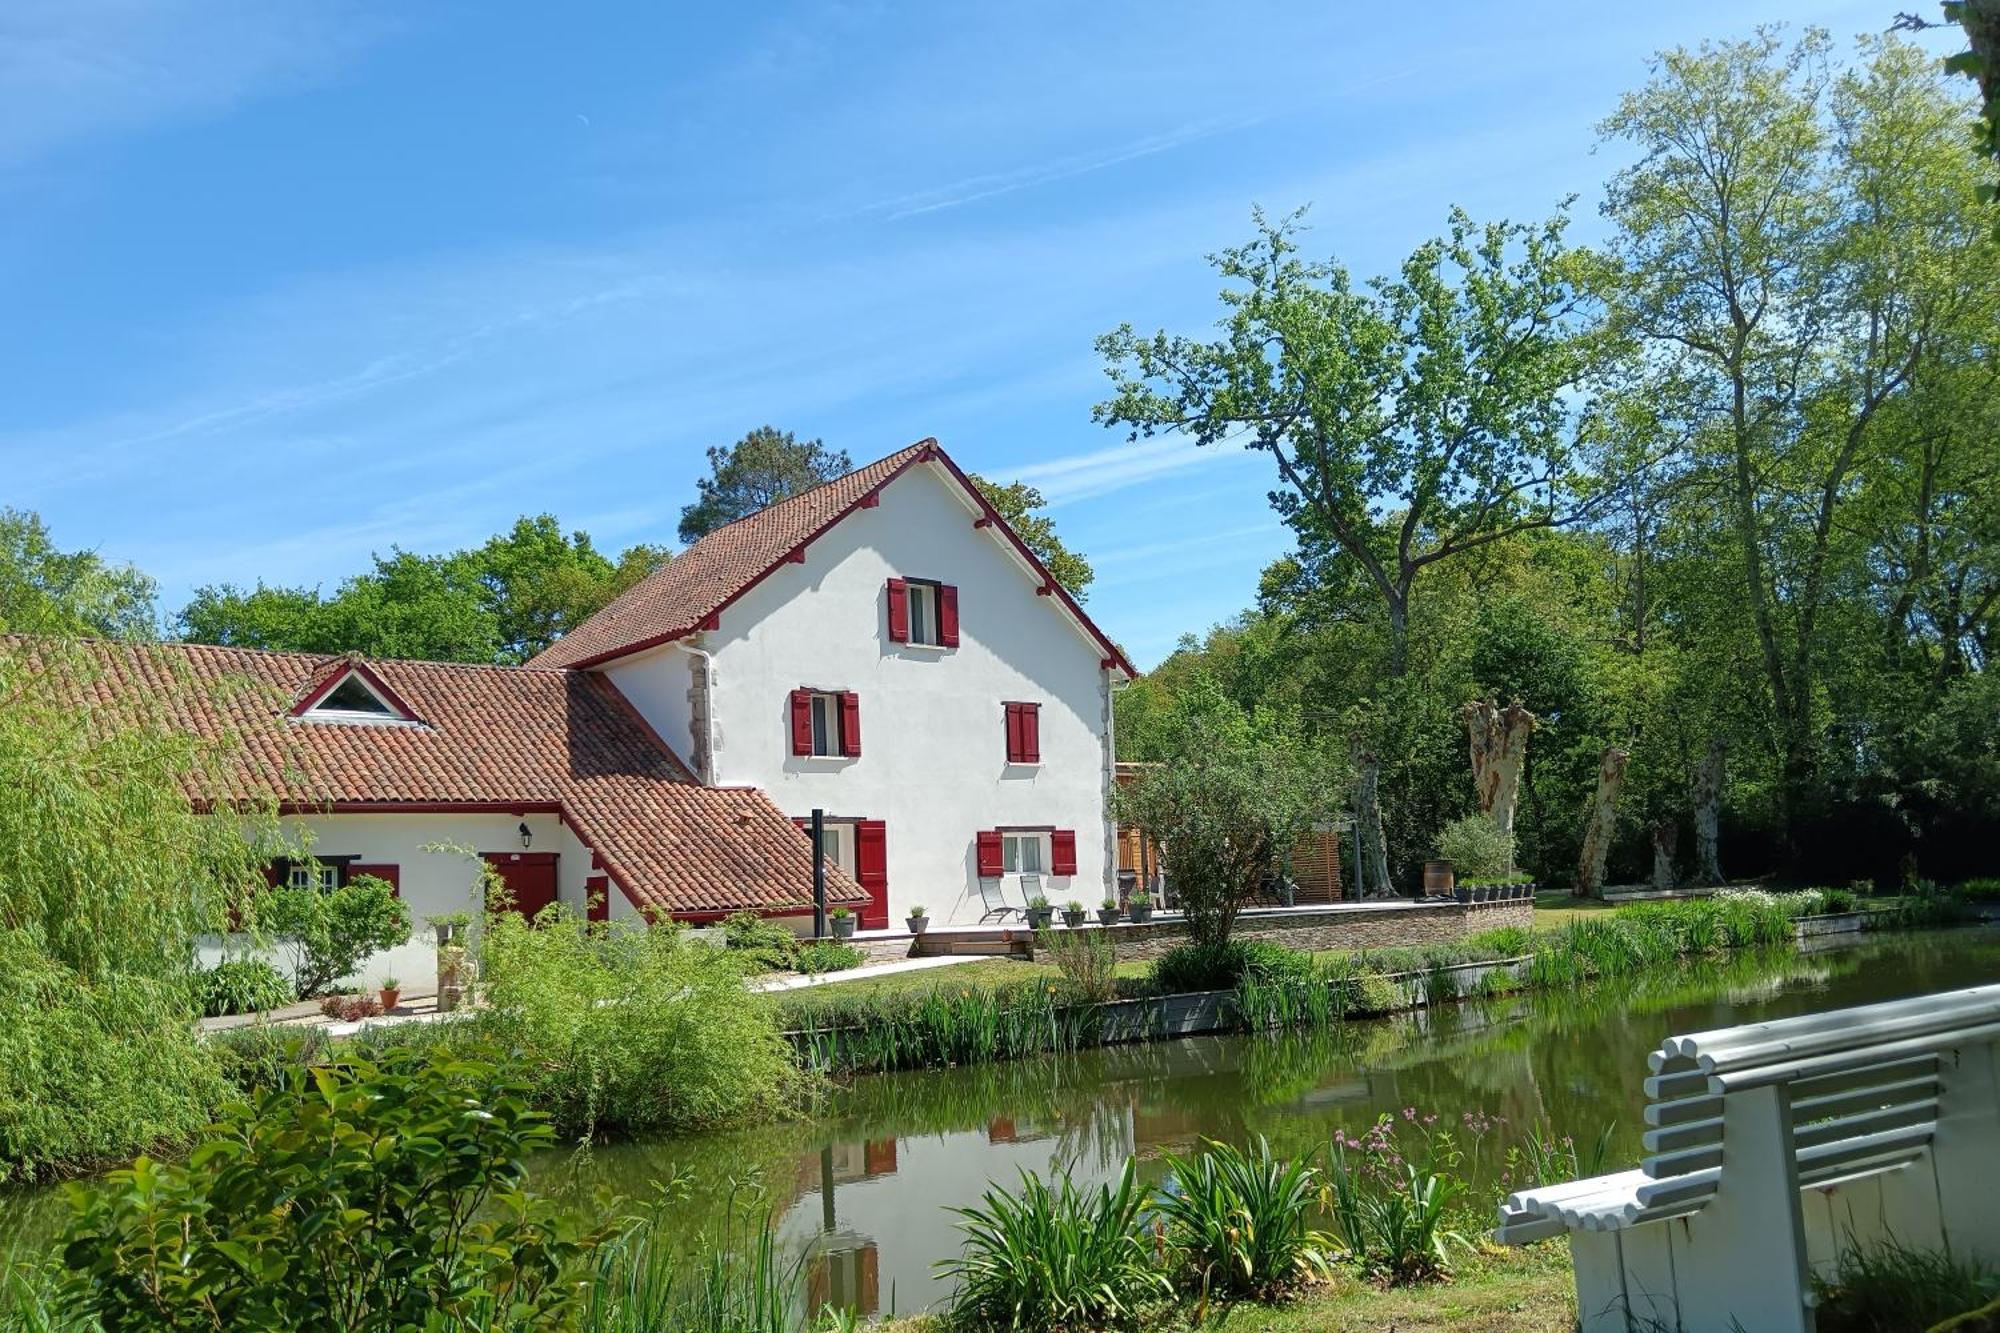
1601, 823
1666, 836
1499, 743
1373, 872
1705, 795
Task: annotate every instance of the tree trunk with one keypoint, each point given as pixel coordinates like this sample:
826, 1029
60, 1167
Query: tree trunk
1374, 868
1499, 743
1707, 798
1666, 833
1601, 824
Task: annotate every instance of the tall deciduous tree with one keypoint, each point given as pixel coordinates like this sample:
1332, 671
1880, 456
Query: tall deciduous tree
1410, 422
46, 590
1794, 245
1020, 504
503, 601
762, 468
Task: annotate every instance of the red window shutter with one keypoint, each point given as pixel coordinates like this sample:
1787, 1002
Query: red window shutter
1013, 732
989, 853
802, 722
899, 611
871, 870
597, 897
393, 874
850, 725
1031, 733
947, 614
1062, 852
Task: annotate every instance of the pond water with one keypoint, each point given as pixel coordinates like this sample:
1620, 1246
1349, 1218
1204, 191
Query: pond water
859, 1193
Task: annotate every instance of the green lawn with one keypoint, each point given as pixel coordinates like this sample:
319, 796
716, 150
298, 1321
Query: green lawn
1558, 907
1494, 1291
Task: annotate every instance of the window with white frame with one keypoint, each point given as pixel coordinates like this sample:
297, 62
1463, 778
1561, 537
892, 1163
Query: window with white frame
923, 599
1024, 853
312, 875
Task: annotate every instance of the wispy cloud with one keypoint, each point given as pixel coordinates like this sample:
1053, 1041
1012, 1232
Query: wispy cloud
993, 184
1100, 471
73, 69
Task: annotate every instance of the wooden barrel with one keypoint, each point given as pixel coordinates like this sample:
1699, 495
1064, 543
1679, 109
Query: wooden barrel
1438, 878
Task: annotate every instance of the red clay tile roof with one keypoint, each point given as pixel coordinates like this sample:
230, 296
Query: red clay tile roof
675, 599
503, 738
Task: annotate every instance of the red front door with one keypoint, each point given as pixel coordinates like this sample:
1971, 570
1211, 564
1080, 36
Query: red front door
530, 876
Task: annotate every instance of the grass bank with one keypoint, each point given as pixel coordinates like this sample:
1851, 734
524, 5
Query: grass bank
998, 1009
1493, 1290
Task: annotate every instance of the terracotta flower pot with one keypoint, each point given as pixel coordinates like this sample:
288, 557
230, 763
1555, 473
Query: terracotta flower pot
390, 998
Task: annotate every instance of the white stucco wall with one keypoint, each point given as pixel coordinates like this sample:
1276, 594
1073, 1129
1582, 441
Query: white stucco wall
432, 883
933, 764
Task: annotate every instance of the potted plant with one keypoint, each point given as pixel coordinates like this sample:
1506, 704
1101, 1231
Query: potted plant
842, 922
1073, 914
1139, 908
919, 920
390, 993
1039, 912
1108, 912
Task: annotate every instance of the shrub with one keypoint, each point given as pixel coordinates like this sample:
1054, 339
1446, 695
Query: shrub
311, 1208
816, 956
1204, 967
764, 945
1054, 1259
1232, 798
1980, 890
630, 1029
107, 876
242, 986
329, 932
91, 1073
350, 1008
1391, 1194
1238, 1222
261, 1056
1087, 959
1476, 848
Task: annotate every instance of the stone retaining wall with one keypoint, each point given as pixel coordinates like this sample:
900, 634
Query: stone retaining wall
1351, 926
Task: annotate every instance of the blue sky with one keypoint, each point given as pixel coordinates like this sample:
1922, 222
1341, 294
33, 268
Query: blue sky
289, 281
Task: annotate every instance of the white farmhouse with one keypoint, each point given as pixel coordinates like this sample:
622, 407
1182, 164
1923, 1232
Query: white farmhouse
883, 648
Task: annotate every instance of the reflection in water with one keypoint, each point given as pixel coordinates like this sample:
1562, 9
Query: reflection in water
860, 1191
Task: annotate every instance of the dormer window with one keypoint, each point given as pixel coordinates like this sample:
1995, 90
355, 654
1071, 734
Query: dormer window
354, 696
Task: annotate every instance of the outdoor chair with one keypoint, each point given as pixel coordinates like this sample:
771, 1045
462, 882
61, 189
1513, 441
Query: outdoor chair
1776, 1148
994, 900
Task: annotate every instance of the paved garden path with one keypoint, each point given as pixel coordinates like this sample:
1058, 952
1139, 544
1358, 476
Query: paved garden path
870, 970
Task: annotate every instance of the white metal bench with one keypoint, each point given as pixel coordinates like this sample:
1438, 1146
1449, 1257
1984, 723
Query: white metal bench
1773, 1148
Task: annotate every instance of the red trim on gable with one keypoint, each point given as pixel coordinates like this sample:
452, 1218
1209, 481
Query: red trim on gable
1112, 650
798, 555
930, 451
872, 500
340, 671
